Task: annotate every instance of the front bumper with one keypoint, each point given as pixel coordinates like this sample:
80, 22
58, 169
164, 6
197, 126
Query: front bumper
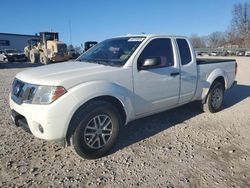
20, 121
21, 59
49, 122
17, 58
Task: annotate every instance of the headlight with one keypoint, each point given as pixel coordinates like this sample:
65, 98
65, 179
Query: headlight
45, 94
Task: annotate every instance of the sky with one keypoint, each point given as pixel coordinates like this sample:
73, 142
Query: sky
101, 19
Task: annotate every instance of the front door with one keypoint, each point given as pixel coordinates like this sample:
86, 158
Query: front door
156, 88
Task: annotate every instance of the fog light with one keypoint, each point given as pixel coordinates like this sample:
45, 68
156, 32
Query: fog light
40, 128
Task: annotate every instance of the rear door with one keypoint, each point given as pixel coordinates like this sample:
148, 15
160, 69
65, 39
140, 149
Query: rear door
156, 88
188, 69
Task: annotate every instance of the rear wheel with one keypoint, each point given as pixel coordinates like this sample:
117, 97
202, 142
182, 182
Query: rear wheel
34, 57
97, 129
27, 54
44, 59
214, 99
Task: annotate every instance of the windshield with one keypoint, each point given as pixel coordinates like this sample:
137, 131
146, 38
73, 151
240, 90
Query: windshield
113, 52
11, 51
51, 36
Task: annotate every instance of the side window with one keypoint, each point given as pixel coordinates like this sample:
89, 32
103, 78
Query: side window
158, 48
184, 50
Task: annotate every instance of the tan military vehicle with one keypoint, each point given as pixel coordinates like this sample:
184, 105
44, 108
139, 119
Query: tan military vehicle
46, 49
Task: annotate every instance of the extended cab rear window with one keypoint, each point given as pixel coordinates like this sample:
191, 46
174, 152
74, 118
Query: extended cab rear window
185, 53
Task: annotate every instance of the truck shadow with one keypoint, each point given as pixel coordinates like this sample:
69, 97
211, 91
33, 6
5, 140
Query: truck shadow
144, 128
18, 65
235, 95
149, 126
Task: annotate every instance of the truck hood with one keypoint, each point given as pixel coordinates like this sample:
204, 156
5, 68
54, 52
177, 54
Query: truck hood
67, 74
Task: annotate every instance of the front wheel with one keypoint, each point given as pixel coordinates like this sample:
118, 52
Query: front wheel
97, 129
34, 57
44, 59
5, 59
214, 99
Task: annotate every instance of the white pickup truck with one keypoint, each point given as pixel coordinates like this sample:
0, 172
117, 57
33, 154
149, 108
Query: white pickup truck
86, 102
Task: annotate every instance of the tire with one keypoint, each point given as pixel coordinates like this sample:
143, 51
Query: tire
34, 57
44, 59
97, 128
27, 53
5, 60
28, 57
214, 99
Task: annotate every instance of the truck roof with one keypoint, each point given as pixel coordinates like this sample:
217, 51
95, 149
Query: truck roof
151, 35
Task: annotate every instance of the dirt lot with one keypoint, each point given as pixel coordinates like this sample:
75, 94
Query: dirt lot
182, 147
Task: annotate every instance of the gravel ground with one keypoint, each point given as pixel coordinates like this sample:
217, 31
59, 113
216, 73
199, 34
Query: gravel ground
182, 147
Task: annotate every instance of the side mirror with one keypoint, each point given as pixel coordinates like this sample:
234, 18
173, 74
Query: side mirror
150, 63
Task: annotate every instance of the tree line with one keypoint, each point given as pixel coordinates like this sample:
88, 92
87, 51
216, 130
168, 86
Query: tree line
236, 36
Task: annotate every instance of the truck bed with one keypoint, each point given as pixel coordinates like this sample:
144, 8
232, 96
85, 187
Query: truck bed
205, 67
202, 61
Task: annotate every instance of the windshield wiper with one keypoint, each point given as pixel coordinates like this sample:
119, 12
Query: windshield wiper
100, 62
103, 62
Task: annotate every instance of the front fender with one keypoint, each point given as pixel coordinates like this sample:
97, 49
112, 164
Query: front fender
84, 92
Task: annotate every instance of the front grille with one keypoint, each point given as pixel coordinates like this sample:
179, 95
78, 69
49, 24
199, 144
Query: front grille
21, 56
22, 91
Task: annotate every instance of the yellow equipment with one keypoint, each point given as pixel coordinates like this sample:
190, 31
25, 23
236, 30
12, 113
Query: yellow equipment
46, 49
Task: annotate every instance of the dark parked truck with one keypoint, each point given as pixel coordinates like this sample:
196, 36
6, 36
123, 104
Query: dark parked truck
88, 101
12, 55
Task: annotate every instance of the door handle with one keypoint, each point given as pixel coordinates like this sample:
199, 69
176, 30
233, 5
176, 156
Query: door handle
174, 74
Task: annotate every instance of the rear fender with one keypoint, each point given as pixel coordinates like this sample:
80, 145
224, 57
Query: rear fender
210, 80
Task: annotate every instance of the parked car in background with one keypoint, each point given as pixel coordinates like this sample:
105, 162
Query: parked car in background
240, 53
213, 54
202, 53
247, 53
231, 53
73, 54
89, 44
223, 53
12, 55
2, 56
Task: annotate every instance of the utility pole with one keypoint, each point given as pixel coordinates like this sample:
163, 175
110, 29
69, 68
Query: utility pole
70, 34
